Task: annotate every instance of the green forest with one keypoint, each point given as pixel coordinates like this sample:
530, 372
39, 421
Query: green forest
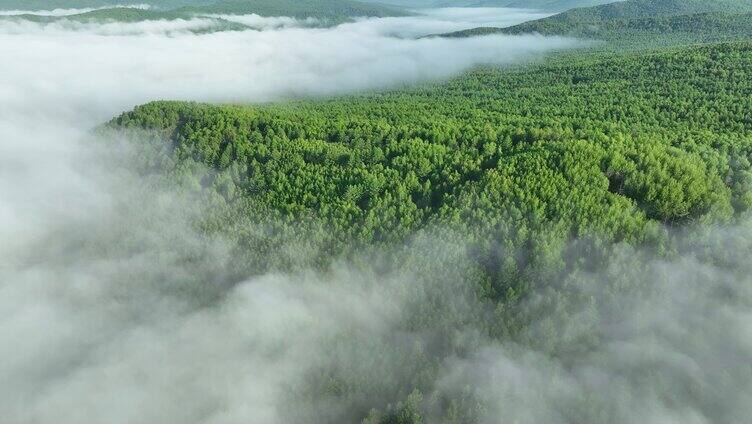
329, 11
640, 24
130, 15
507, 193
547, 5
640, 141
599, 148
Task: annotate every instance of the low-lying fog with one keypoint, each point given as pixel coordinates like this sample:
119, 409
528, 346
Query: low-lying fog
95, 326
90, 331
98, 70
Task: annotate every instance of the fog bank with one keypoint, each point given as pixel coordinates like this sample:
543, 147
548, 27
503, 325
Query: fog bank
102, 69
116, 309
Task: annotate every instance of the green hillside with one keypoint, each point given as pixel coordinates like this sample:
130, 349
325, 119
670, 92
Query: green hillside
631, 9
545, 192
670, 30
123, 14
129, 15
548, 5
563, 240
328, 11
539, 174
298, 8
79, 4
333, 10
641, 23
613, 147
705, 27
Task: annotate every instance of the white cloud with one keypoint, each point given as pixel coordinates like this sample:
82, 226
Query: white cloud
99, 70
68, 12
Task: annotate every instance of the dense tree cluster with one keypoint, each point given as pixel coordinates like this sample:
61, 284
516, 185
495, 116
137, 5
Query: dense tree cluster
617, 148
127, 15
330, 9
632, 9
325, 12
79, 4
638, 24
537, 173
680, 29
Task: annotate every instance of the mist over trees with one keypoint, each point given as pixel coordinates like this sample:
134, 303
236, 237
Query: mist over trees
377, 169
548, 5
336, 10
237, 218
78, 4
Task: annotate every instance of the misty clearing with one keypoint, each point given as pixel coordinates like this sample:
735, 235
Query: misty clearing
335, 211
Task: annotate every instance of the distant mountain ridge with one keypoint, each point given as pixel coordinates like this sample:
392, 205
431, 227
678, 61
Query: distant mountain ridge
632, 16
547, 5
298, 8
32, 5
129, 15
632, 9
293, 8
332, 11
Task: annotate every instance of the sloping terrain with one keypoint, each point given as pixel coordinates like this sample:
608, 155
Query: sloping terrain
297, 8
547, 5
640, 23
331, 10
636, 141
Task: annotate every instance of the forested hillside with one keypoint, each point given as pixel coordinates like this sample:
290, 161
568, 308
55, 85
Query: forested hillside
210, 24
543, 173
332, 10
78, 4
547, 5
512, 158
630, 9
641, 32
550, 5
297, 8
641, 23
469, 232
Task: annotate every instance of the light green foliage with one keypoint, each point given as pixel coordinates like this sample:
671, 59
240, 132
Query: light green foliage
502, 190
610, 147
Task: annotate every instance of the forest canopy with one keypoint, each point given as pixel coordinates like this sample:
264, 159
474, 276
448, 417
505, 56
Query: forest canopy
332, 10
640, 23
489, 153
354, 223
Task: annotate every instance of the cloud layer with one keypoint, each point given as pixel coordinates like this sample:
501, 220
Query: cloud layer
114, 310
103, 284
102, 69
